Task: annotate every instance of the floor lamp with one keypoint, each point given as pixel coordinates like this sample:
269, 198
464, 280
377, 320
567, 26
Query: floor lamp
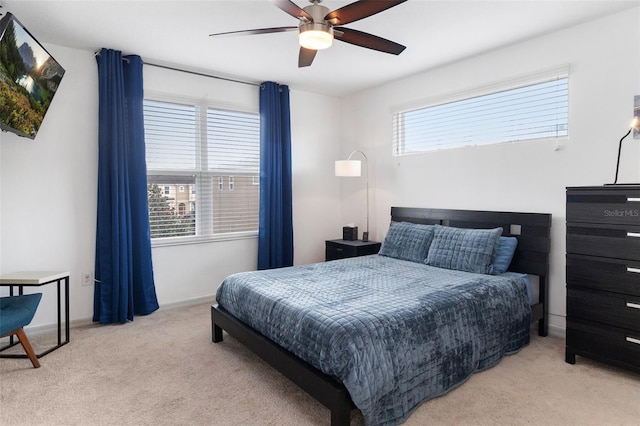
635, 124
353, 168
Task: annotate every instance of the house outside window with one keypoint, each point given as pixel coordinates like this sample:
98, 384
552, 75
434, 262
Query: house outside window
193, 145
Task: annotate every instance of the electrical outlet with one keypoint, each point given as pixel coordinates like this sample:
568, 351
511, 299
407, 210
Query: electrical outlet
87, 278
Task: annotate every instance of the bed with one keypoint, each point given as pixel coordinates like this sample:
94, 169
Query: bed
385, 332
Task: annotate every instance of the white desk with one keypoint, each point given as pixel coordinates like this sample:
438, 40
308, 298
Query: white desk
37, 279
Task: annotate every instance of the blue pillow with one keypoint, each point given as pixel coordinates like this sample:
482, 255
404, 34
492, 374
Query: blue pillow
470, 250
504, 254
407, 241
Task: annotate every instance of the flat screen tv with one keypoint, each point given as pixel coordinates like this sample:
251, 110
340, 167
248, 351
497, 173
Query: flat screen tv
29, 78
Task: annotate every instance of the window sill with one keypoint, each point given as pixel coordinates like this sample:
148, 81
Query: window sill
178, 241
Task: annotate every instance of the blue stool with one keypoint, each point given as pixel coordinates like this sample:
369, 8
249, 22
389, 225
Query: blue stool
15, 313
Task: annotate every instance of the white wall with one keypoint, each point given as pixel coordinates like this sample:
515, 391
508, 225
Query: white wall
48, 189
315, 142
49, 185
526, 176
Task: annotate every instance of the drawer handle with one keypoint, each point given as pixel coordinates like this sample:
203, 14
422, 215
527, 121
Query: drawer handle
633, 199
633, 234
632, 340
633, 305
634, 270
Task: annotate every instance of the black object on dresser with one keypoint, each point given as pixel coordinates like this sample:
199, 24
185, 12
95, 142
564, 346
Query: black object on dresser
340, 249
603, 274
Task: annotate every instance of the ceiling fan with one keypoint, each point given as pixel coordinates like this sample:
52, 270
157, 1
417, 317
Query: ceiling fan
317, 27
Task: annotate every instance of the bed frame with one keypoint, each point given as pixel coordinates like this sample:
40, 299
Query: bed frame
533, 231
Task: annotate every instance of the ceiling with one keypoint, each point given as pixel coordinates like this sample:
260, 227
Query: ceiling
176, 33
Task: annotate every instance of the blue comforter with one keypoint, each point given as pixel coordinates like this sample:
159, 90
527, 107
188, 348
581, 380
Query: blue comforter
396, 333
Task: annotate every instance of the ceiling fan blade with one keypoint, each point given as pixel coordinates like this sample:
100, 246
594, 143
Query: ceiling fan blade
292, 9
367, 40
256, 31
305, 58
358, 10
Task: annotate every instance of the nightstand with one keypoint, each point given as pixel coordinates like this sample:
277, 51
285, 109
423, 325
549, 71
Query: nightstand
341, 249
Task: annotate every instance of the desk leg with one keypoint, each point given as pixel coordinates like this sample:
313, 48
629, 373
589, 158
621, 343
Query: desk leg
66, 310
10, 337
59, 316
20, 292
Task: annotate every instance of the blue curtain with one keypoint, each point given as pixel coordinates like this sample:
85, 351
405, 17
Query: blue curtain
123, 269
275, 235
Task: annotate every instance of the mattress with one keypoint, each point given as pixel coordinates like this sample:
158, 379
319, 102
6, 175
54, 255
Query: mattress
395, 332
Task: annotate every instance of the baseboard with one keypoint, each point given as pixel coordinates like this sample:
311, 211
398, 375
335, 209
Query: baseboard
557, 331
557, 325
189, 302
86, 322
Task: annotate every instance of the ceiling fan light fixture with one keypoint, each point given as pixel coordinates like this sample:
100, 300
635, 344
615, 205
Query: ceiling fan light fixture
315, 36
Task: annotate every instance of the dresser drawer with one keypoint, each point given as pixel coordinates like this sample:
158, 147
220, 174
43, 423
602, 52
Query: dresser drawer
607, 308
335, 251
616, 241
340, 249
609, 344
612, 206
617, 275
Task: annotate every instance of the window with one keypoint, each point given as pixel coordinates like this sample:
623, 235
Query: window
167, 190
536, 107
231, 183
195, 146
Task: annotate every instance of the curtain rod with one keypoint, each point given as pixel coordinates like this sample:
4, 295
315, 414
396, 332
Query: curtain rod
233, 80
201, 74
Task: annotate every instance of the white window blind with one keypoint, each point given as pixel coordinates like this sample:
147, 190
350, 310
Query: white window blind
534, 110
198, 148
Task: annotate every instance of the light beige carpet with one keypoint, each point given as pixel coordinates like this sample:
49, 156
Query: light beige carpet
163, 369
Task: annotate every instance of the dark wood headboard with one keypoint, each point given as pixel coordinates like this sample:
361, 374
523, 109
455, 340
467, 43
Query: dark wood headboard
533, 231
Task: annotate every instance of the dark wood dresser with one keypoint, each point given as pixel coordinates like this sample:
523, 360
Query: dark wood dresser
341, 249
603, 274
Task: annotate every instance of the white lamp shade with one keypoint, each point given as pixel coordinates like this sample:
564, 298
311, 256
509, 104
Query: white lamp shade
348, 168
315, 36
